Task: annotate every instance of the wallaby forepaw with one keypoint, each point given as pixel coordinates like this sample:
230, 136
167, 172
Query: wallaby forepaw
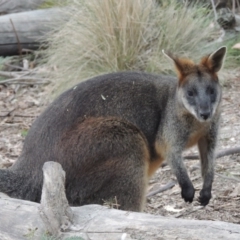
205, 196
188, 194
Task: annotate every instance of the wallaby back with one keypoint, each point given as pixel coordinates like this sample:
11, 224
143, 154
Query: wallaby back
113, 131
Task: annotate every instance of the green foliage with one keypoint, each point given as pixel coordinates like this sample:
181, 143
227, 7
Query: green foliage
2, 61
74, 238
24, 132
31, 233
47, 237
112, 35
233, 54
53, 3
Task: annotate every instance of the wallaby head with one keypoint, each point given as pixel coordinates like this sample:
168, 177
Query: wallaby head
199, 91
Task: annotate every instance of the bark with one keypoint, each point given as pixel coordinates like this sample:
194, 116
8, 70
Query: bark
21, 220
54, 210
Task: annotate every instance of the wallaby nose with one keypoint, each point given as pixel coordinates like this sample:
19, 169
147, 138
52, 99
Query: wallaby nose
205, 115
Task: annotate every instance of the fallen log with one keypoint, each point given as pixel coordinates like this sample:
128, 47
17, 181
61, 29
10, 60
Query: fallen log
26, 30
13, 6
22, 220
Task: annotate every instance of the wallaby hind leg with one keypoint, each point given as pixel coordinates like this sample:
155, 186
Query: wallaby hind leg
125, 190
120, 182
108, 158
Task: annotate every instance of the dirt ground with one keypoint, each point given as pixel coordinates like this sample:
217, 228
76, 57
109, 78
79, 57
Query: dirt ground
20, 105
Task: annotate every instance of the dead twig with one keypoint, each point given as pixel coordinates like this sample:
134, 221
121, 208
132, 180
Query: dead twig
16, 74
8, 113
169, 185
233, 6
25, 116
218, 174
228, 178
27, 50
8, 74
220, 154
192, 211
17, 67
21, 80
18, 41
214, 10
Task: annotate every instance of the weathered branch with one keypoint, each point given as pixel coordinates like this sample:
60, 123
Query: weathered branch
220, 154
23, 77
214, 10
54, 210
26, 30
20, 220
169, 185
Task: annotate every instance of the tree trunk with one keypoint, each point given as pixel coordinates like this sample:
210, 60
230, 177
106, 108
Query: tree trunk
27, 220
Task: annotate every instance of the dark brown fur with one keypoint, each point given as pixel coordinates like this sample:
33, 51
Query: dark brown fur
114, 154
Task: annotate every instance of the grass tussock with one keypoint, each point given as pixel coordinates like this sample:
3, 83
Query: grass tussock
112, 35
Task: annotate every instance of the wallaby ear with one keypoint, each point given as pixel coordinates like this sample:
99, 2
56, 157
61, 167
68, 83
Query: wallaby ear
183, 65
214, 61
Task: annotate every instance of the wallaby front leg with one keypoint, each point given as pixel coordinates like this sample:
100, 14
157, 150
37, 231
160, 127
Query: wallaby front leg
206, 146
184, 181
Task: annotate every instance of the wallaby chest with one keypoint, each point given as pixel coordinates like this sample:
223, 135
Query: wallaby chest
196, 132
176, 138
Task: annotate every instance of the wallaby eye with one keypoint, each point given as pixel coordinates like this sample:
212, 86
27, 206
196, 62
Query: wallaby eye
190, 93
211, 90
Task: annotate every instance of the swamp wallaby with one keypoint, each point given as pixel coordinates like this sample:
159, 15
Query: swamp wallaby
112, 132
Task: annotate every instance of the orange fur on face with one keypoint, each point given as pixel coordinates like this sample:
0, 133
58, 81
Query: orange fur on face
210, 64
207, 63
185, 67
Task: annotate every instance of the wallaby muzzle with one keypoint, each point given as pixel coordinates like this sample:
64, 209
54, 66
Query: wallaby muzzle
204, 108
205, 113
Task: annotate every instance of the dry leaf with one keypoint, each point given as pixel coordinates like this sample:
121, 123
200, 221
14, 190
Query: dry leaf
236, 46
236, 191
172, 209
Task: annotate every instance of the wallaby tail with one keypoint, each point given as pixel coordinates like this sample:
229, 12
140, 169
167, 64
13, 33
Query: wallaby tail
8, 181
17, 185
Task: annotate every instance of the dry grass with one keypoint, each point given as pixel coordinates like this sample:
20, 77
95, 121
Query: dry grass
112, 35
